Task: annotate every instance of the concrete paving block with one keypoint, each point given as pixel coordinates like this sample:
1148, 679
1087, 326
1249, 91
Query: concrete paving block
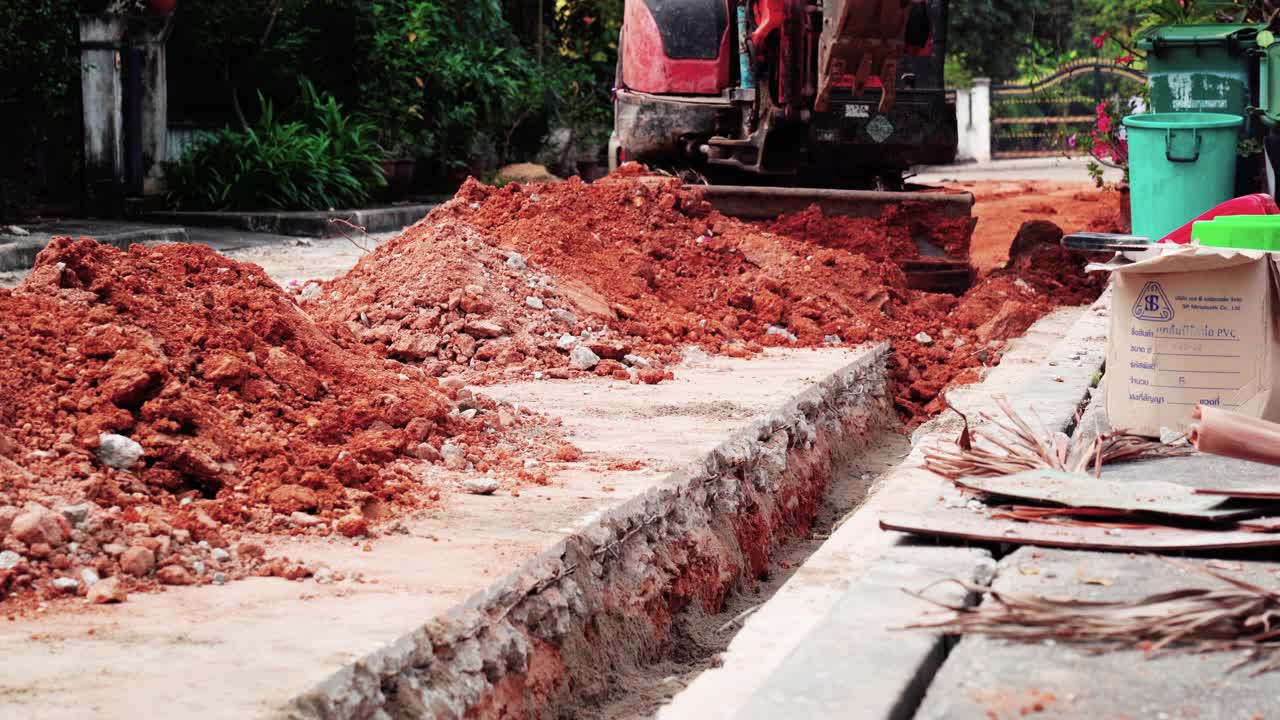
986, 679
855, 662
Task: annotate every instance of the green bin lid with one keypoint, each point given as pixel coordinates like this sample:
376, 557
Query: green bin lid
1182, 121
1243, 232
1191, 35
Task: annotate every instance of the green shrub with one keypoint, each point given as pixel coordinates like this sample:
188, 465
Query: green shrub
325, 161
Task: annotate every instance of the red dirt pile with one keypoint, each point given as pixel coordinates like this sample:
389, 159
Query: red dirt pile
155, 403
648, 268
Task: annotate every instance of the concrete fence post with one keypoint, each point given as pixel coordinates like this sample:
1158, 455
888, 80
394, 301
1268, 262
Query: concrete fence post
102, 94
964, 114
148, 35
980, 112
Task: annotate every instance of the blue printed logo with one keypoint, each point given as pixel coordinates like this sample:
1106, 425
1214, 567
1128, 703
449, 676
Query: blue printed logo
1153, 304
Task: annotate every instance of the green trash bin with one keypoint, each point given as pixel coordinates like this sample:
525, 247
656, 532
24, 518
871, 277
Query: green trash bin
1180, 164
1202, 68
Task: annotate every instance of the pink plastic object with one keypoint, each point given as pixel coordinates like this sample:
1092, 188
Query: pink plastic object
1257, 204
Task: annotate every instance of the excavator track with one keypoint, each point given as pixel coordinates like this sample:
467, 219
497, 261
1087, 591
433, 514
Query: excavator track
932, 271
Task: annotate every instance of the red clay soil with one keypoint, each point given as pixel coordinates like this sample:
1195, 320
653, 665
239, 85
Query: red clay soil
893, 236
1002, 207
248, 417
649, 268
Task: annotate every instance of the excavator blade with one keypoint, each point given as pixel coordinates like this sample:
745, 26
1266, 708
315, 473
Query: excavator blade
933, 270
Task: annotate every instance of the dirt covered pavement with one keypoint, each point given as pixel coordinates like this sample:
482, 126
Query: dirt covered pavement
160, 405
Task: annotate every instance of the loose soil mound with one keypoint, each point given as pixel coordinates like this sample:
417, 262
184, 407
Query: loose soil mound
245, 414
648, 268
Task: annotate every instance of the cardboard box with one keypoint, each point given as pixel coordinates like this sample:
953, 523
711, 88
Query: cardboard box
1190, 326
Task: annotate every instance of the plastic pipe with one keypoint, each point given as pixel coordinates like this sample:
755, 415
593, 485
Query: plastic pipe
1221, 432
748, 80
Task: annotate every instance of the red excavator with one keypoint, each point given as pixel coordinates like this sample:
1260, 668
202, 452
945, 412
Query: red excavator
834, 94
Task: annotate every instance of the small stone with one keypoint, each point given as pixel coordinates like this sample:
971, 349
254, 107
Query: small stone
174, 575
89, 576
651, 376
219, 579
75, 514
66, 584
292, 498
323, 576
40, 525
516, 261
221, 555
302, 519
781, 332
114, 549
582, 358
468, 414
107, 591
481, 485
636, 361
535, 302
250, 551
351, 525
567, 341
137, 561
118, 451
563, 316
426, 451
693, 355
198, 566
832, 340
924, 339
310, 290
9, 560
482, 329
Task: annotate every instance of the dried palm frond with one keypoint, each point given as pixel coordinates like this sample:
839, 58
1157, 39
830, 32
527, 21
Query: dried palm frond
1242, 617
1012, 445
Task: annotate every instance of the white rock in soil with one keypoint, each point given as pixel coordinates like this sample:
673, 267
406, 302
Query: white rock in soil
118, 451
324, 576
832, 340
66, 584
219, 579
516, 261
534, 302
75, 514
636, 361
9, 559
692, 354
481, 485
89, 576
781, 332
567, 341
582, 358
310, 290
219, 555
924, 339
562, 315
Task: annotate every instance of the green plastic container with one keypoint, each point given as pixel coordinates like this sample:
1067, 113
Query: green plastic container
1180, 165
1244, 232
1201, 68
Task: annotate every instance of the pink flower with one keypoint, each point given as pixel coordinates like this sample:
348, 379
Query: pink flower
1099, 40
1071, 141
1125, 59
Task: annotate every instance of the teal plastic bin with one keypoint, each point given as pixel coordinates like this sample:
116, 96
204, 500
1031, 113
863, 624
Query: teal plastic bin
1180, 165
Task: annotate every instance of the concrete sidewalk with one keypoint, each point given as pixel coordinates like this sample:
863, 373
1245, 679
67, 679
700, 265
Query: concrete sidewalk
18, 252
1057, 169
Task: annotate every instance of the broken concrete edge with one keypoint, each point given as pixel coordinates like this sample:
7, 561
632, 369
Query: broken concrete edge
302, 223
548, 637
21, 255
770, 636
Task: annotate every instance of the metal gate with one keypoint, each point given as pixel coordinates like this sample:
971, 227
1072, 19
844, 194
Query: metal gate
1038, 119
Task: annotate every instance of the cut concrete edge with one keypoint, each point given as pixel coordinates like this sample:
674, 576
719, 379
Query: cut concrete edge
302, 223
531, 643
771, 634
21, 255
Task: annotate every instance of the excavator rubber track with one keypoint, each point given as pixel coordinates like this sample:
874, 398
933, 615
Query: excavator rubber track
932, 271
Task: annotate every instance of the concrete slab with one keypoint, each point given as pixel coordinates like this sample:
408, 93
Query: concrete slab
988, 679
474, 578
1051, 370
18, 253
854, 662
